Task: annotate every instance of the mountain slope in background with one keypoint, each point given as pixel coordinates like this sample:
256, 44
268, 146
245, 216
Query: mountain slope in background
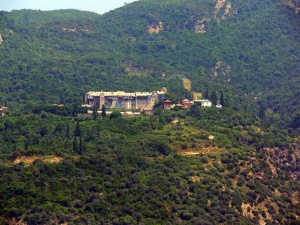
233, 46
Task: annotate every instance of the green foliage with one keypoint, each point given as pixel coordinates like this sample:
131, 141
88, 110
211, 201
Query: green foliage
103, 111
95, 112
115, 115
222, 101
126, 172
60, 57
214, 98
134, 170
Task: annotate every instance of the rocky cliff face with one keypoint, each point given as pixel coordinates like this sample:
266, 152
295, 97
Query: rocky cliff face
200, 26
227, 9
156, 28
294, 4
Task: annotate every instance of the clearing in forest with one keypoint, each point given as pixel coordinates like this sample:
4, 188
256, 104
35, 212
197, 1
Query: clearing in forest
187, 84
202, 151
197, 95
31, 159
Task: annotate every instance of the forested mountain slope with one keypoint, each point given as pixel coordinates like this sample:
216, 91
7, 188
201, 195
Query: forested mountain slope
59, 165
212, 166
231, 46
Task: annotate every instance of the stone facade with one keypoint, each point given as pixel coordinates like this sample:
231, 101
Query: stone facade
123, 100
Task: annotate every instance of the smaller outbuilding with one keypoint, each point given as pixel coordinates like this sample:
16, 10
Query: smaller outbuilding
187, 103
2, 111
167, 104
204, 102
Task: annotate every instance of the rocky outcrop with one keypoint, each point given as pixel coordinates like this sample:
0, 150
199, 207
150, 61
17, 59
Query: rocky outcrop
1, 39
69, 29
75, 30
31, 159
200, 26
227, 9
156, 28
294, 4
219, 5
222, 70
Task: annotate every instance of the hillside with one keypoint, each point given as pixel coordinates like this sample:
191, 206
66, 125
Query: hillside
209, 167
234, 165
233, 46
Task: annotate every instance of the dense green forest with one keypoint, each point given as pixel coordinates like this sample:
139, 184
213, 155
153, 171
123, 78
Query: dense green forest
235, 165
211, 167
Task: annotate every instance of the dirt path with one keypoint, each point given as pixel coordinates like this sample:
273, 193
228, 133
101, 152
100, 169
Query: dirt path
189, 153
195, 152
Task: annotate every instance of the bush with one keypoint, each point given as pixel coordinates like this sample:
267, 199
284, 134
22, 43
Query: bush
184, 146
115, 114
186, 215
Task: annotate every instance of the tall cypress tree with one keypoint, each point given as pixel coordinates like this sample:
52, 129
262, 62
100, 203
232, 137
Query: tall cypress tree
95, 112
26, 144
214, 98
75, 110
81, 147
68, 136
222, 102
75, 145
206, 96
77, 132
103, 113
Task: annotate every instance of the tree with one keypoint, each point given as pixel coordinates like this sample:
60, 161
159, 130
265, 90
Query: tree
214, 98
103, 113
77, 132
115, 114
62, 100
95, 112
206, 96
68, 132
75, 110
296, 121
222, 102
75, 145
44, 131
26, 144
159, 146
262, 111
195, 111
179, 123
81, 146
